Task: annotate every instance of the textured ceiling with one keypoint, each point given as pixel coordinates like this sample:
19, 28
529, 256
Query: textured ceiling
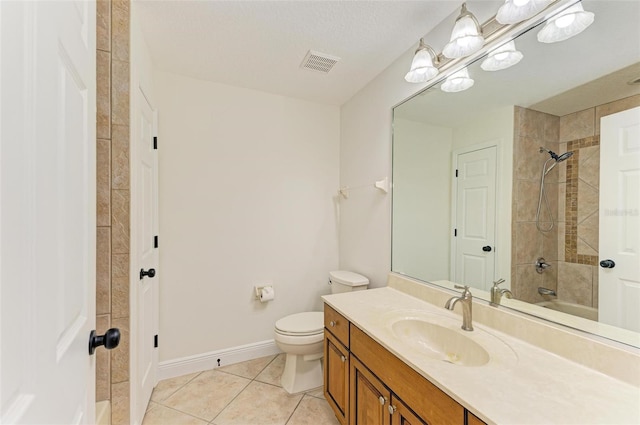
260, 44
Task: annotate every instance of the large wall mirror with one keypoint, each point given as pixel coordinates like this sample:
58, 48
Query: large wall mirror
532, 175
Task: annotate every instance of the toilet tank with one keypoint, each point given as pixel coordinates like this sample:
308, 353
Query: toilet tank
344, 281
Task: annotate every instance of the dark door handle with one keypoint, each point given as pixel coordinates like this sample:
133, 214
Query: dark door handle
110, 340
607, 264
150, 273
486, 248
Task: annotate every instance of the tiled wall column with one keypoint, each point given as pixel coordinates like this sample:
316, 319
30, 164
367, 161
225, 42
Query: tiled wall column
533, 129
113, 195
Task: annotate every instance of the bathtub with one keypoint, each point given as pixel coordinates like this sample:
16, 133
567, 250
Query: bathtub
570, 308
103, 413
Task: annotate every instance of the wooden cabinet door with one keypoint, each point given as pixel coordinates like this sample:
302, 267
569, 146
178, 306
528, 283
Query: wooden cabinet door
473, 419
336, 377
402, 415
369, 397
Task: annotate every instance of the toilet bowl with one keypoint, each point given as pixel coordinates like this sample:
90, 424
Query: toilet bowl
301, 337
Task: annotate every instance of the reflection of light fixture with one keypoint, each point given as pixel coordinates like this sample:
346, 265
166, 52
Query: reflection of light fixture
514, 11
502, 58
458, 81
422, 68
466, 37
566, 24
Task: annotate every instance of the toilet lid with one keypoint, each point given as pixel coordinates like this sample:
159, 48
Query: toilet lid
301, 323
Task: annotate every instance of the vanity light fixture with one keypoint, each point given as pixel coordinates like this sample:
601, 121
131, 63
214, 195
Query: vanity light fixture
422, 68
458, 81
566, 24
466, 37
514, 11
503, 57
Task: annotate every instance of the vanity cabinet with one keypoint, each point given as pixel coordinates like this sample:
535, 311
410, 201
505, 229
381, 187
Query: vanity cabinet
336, 363
374, 403
365, 384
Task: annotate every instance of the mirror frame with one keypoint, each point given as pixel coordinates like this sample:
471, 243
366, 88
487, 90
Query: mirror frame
496, 34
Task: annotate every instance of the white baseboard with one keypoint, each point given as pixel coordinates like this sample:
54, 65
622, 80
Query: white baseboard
207, 361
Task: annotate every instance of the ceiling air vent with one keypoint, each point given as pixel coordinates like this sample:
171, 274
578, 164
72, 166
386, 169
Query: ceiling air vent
320, 62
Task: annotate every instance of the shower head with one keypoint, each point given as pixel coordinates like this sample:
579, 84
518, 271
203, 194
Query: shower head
564, 156
555, 157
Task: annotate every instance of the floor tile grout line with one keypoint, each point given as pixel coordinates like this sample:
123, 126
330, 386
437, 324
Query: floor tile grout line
179, 388
184, 413
294, 410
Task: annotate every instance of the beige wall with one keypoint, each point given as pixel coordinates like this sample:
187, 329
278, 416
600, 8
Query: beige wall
248, 190
112, 292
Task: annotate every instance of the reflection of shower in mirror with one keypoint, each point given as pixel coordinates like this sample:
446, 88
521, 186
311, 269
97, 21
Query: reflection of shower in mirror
543, 195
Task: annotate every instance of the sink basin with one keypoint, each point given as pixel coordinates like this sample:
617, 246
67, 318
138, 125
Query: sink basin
440, 342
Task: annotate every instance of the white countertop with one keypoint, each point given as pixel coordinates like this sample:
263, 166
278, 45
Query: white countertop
521, 383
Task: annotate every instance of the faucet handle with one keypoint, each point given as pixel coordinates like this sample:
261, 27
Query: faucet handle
498, 282
465, 290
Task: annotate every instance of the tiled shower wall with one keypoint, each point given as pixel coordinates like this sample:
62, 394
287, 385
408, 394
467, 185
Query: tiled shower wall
572, 246
112, 284
532, 130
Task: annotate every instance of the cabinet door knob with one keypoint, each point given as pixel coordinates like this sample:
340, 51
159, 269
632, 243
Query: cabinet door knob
332, 323
343, 358
383, 400
392, 409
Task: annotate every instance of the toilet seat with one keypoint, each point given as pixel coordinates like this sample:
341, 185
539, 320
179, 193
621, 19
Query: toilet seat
301, 324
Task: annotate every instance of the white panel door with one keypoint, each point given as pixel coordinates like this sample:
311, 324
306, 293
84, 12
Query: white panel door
47, 198
146, 230
475, 212
619, 287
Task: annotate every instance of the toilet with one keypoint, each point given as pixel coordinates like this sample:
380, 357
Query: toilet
301, 337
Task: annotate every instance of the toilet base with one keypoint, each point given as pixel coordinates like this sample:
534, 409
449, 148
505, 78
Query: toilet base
301, 375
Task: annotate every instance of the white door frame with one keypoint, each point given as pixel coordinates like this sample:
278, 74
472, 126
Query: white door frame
454, 194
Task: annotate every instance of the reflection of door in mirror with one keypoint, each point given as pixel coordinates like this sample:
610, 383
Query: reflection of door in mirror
474, 214
619, 277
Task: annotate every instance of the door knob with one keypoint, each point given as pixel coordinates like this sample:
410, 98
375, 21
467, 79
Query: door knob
607, 264
150, 273
486, 248
110, 340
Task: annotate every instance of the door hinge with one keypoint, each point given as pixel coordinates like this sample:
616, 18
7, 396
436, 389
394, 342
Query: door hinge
155, 241
155, 341
155, 142
455, 232
456, 173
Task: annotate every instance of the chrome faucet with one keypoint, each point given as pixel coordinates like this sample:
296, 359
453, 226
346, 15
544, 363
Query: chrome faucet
497, 293
465, 298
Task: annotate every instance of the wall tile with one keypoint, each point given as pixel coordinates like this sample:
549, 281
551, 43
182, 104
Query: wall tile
103, 362
614, 107
527, 282
588, 233
526, 200
589, 166
120, 221
119, 93
120, 156
120, 266
120, 404
575, 283
577, 125
551, 129
103, 25
103, 270
528, 243
561, 240
120, 297
595, 270
527, 159
120, 355
120, 30
532, 123
550, 245
103, 95
588, 200
103, 183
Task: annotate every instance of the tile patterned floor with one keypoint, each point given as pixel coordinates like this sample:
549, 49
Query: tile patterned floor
247, 393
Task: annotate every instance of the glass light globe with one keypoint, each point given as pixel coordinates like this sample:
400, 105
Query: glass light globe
458, 81
514, 11
422, 68
503, 57
466, 37
566, 24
